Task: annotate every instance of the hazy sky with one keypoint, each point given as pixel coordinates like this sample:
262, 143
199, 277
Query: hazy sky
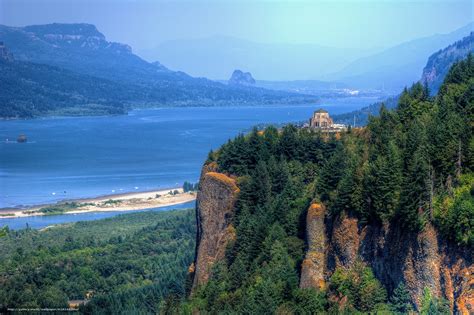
352, 23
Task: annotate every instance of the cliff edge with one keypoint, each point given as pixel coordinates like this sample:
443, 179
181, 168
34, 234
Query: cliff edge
420, 260
214, 212
313, 268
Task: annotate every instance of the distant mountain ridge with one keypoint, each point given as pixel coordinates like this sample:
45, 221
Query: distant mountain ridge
215, 57
83, 50
440, 62
433, 75
30, 89
398, 66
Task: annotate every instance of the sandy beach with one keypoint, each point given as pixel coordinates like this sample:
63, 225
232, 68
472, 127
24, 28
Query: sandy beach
115, 202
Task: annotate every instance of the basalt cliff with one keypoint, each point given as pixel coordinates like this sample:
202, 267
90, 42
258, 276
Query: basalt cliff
214, 213
420, 260
372, 220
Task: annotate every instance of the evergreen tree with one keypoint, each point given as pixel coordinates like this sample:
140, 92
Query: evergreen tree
331, 173
400, 301
262, 185
383, 184
271, 138
288, 145
415, 193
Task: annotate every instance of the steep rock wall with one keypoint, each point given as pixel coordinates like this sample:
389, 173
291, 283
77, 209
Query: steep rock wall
214, 211
313, 268
422, 260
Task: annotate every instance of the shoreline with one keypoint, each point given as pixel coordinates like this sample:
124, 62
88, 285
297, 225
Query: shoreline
114, 202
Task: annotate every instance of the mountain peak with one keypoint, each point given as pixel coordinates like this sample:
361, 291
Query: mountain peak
73, 36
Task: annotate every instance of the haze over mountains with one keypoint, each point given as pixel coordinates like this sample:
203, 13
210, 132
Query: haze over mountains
217, 56
433, 75
58, 67
76, 58
396, 67
440, 62
390, 69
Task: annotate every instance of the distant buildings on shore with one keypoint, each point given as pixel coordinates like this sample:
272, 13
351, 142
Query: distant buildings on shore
322, 121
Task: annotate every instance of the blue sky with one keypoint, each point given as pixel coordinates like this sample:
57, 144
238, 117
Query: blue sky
352, 23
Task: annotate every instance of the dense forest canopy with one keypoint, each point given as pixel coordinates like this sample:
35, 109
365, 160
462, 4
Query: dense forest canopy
127, 263
71, 69
408, 167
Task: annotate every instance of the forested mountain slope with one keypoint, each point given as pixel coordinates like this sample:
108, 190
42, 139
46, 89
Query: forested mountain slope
397, 66
30, 90
433, 76
128, 263
82, 49
377, 219
440, 62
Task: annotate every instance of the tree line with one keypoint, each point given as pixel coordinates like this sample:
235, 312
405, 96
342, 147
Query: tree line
408, 167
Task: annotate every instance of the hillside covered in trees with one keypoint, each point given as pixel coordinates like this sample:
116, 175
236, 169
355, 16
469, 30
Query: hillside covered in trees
398, 194
72, 69
392, 203
127, 263
433, 76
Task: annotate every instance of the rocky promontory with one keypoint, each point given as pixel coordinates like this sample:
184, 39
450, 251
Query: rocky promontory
240, 78
214, 212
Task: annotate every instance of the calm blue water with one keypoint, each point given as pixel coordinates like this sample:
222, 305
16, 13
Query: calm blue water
68, 158
40, 222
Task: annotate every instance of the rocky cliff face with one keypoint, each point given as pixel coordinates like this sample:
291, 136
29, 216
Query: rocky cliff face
313, 269
421, 260
214, 211
440, 62
79, 36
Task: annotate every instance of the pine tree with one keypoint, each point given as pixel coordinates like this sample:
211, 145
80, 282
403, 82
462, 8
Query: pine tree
331, 173
261, 183
288, 146
415, 194
382, 188
400, 301
271, 138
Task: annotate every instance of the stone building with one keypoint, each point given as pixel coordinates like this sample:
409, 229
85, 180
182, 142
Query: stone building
320, 119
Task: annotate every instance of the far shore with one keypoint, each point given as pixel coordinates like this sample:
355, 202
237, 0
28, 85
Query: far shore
116, 202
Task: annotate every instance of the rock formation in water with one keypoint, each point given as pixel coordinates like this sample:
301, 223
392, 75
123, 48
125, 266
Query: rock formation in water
240, 78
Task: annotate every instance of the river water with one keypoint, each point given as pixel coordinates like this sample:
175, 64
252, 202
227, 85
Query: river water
69, 158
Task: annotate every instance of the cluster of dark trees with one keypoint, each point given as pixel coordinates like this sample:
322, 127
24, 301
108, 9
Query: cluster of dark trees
128, 263
409, 166
91, 76
187, 186
30, 90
